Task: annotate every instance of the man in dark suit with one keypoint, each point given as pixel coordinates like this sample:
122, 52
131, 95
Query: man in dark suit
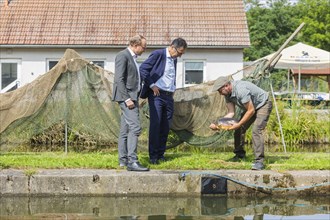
158, 73
126, 89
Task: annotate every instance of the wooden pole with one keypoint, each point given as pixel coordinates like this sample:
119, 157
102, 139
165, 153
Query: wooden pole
278, 52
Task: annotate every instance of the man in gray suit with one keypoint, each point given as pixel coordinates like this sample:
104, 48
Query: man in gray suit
126, 90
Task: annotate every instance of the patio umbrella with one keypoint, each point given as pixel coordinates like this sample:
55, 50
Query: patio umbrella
302, 57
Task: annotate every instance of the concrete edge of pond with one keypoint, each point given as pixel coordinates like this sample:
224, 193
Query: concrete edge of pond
101, 182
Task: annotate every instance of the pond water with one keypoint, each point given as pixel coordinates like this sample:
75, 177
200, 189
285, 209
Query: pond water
161, 207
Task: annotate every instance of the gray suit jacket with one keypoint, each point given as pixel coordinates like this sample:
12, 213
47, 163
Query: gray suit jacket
126, 82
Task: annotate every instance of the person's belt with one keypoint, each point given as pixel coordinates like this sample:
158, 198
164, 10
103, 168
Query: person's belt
165, 92
267, 101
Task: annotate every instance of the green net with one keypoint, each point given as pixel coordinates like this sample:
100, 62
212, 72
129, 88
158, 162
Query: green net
71, 104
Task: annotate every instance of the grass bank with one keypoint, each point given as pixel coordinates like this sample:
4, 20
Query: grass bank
175, 161
300, 125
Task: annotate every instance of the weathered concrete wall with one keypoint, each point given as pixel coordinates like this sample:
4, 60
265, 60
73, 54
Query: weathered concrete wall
122, 182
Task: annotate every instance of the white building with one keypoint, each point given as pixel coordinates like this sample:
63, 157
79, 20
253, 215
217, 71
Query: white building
34, 35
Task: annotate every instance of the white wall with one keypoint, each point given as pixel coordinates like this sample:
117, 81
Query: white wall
34, 61
218, 62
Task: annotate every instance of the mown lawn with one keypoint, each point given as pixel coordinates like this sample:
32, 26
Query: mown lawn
175, 161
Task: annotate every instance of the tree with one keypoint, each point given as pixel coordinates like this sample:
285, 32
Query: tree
269, 27
315, 14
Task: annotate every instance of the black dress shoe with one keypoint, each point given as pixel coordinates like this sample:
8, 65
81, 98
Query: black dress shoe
122, 164
237, 158
136, 166
153, 161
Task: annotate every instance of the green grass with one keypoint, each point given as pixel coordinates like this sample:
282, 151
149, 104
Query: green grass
198, 160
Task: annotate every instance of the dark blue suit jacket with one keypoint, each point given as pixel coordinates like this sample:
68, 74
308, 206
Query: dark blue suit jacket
152, 69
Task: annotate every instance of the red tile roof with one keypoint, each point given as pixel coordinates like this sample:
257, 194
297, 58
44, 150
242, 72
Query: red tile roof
203, 23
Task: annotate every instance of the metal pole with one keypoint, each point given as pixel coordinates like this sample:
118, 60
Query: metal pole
278, 52
288, 86
67, 108
299, 80
278, 117
66, 138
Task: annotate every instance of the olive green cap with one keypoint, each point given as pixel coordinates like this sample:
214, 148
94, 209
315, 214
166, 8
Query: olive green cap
219, 82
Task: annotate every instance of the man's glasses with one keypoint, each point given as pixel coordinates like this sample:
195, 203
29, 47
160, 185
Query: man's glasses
178, 52
143, 47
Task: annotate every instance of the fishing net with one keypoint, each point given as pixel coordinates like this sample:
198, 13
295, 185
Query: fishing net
71, 104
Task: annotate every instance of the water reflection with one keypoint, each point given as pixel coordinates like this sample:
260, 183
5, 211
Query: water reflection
157, 208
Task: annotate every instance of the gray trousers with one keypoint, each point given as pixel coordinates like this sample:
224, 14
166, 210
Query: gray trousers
260, 119
130, 130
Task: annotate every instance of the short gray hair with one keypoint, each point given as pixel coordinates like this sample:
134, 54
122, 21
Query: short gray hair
136, 40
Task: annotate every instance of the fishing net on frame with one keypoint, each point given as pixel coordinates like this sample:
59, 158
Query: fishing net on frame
74, 94
72, 103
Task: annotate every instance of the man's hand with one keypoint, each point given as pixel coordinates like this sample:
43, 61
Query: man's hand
234, 126
130, 104
214, 127
248, 114
155, 89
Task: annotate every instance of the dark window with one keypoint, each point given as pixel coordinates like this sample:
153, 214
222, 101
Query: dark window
100, 63
8, 73
51, 64
194, 72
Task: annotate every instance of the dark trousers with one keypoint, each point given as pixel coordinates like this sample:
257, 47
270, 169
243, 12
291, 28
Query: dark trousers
161, 112
260, 119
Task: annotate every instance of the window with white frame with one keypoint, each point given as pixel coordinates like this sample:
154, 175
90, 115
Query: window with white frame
52, 63
100, 63
9, 71
193, 72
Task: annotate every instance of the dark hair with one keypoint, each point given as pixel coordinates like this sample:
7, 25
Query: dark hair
179, 42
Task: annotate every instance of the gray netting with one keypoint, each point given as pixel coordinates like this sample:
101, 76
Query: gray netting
75, 96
